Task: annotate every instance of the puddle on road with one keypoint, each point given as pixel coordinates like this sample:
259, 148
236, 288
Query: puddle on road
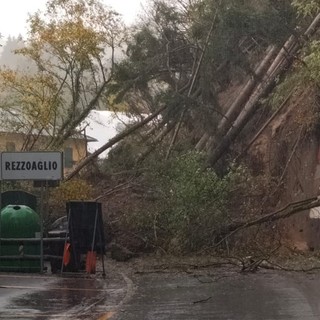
65, 298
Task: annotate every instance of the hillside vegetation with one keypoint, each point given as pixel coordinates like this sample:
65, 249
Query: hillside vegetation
227, 92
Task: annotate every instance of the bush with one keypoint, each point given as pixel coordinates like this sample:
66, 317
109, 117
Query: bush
188, 206
75, 189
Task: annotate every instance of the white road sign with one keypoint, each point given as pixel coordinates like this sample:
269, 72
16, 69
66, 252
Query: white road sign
31, 165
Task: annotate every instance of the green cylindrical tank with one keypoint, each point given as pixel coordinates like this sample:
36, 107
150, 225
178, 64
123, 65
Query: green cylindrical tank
19, 221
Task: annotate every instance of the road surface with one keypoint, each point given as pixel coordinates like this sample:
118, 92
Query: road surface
125, 294
25, 296
224, 296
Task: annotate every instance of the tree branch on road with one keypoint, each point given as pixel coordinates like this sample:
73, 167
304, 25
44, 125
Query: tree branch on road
287, 211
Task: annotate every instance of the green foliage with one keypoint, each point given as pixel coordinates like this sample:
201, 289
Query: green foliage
120, 158
312, 61
189, 190
284, 88
189, 203
167, 46
306, 7
306, 72
237, 20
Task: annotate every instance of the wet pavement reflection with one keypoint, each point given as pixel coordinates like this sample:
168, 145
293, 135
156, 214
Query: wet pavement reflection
222, 294
52, 297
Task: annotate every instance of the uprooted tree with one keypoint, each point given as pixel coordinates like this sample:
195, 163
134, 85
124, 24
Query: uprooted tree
197, 70
184, 54
211, 64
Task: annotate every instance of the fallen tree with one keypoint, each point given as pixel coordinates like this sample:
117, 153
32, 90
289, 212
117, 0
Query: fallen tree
287, 211
113, 141
281, 63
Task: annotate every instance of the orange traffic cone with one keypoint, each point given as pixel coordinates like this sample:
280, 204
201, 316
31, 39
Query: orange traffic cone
91, 262
66, 254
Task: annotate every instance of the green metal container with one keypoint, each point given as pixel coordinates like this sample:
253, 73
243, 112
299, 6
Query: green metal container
19, 222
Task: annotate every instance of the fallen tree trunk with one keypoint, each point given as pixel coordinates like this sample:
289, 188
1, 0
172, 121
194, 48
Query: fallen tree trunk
237, 105
257, 135
113, 141
155, 143
282, 61
243, 97
193, 81
289, 210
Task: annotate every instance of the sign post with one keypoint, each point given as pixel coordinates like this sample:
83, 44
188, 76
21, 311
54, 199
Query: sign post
41, 229
0, 210
39, 166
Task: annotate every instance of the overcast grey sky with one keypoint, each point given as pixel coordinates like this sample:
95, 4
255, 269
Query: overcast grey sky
14, 13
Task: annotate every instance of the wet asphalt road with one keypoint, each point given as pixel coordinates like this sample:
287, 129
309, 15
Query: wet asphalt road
225, 296
212, 294
25, 296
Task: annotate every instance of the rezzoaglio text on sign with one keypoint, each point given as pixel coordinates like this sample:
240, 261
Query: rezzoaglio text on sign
31, 166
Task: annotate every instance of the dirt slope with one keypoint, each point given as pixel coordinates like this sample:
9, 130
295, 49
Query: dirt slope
288, 152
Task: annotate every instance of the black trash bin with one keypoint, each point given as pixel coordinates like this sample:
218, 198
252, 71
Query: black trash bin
85, 229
